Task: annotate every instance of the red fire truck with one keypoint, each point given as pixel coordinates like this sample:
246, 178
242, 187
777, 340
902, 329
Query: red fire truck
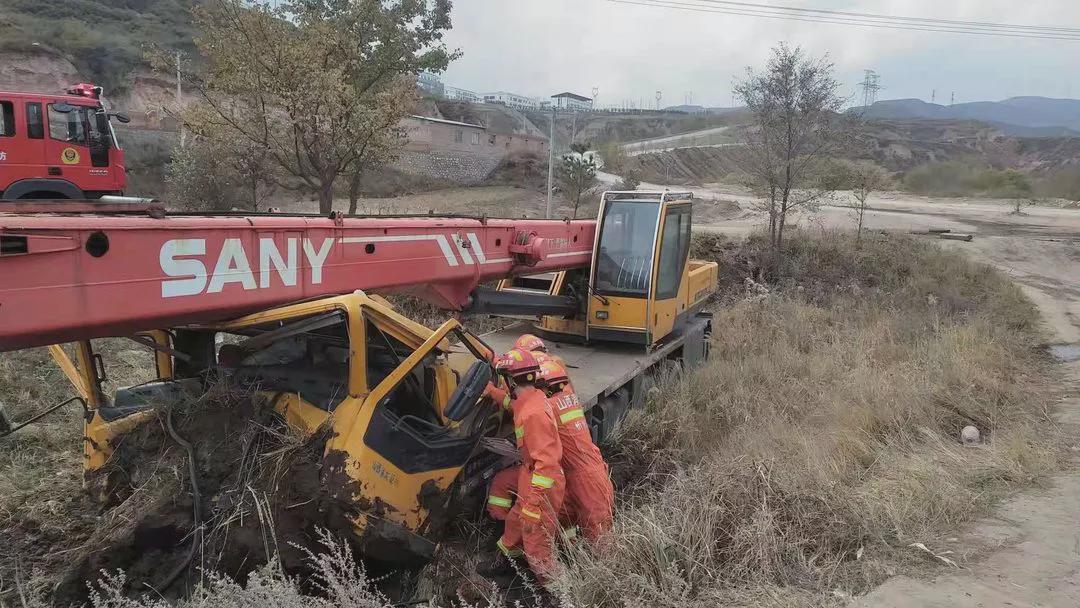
59, 146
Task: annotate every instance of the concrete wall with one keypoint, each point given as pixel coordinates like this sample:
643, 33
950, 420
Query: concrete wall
462, 153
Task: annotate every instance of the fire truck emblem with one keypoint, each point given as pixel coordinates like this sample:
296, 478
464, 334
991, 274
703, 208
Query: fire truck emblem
69, 156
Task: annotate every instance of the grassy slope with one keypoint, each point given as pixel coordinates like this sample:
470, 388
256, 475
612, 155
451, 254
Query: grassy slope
105, 39
821, 438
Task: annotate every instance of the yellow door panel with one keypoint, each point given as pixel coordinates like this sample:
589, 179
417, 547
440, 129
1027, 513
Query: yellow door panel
614, 312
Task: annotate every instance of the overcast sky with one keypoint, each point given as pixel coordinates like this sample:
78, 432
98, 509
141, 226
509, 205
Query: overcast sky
542, 47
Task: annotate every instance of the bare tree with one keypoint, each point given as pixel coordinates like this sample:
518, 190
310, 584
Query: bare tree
863, 178
316, 85
796, 123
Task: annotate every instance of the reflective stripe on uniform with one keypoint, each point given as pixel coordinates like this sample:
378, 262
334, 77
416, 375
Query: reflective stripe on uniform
529, 513
542, 482
572, 415
509, 552
506, 401
519, 431
499, 501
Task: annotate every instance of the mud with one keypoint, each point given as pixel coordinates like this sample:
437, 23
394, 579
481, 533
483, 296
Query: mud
259, 495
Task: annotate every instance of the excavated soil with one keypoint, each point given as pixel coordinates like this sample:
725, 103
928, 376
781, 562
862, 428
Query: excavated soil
257, 490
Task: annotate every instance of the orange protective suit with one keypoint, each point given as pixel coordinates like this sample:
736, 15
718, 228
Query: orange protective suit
502, 493
590, 497
533, 522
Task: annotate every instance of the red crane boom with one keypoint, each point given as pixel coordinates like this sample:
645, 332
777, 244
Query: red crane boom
69, 276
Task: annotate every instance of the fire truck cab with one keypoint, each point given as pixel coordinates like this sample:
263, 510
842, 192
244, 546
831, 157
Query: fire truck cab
59, 146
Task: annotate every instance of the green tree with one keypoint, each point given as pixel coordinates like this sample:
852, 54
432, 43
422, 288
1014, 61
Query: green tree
317, 85
577, 175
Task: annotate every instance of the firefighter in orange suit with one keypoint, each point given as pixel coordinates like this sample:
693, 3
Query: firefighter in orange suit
590, 497
533, 522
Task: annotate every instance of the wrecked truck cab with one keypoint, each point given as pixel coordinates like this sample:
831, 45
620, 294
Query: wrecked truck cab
380, 387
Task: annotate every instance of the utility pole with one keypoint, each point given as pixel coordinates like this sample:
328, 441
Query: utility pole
933, 96
595, 94
952, 98
659, 96
180, 102
573, 132
551, 159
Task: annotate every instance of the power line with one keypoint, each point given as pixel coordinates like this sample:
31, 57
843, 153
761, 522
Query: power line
847, 21
923, 20
890, 22
946, 29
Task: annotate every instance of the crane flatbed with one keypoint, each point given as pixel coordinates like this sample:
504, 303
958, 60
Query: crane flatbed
598, 370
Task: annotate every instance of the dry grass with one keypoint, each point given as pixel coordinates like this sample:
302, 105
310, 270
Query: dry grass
44, 513
793, 468
821, 438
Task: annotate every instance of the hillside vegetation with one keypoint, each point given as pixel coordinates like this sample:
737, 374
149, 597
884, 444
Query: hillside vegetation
105, 39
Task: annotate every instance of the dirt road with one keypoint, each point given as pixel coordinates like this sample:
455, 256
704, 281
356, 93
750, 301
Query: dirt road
1028, 552
714, 137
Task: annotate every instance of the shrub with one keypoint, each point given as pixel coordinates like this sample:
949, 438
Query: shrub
1062, 183
821, 436
959, 179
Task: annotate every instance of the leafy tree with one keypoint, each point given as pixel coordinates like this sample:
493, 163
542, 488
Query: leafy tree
318, 86
794, 106
577, 175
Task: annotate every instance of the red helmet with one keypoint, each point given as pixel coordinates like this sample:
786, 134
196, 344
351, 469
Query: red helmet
552, 374
530, 343
518, 364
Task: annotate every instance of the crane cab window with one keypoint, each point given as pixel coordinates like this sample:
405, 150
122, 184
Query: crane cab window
674, 249
625, 255
67, 123
413, 400
308, 357
7, 119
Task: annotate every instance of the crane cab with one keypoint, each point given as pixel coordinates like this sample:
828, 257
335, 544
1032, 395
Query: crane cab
641, 286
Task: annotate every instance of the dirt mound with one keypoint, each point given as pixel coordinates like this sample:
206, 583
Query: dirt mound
689, 166
256, 493
522, 170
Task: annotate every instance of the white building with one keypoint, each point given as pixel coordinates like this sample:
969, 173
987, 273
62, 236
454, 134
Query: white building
430, 83
512, 100
456, 94
570, 101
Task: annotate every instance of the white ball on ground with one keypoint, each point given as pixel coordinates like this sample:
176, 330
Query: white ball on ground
970, 435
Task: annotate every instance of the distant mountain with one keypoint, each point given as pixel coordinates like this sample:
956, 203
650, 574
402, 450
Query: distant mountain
1019, 116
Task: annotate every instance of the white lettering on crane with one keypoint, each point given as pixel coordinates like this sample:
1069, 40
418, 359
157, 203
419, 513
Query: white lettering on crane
182, 268
316, 259
270, 256
177, 258
232, 267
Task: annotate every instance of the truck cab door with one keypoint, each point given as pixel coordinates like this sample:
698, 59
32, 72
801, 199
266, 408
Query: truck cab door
67, 150
395, 461
668, 297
